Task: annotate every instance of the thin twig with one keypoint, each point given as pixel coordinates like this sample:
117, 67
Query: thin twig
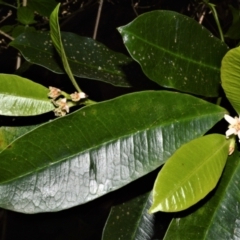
98, 19
9, 5
202, 17
215, 15
24, 3
83, 7
134, 6
8, 15
6, 35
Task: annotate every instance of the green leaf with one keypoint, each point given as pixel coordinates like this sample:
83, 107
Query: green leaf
99, 148
7, 28
9, 134
175, 51
22, 97
57, 42
190, 173
25, 16
130, 220
230, 75
219, 217
19, 29
43, 7
87, 58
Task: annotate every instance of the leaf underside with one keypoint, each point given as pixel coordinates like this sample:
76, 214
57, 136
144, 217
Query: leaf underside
22, 97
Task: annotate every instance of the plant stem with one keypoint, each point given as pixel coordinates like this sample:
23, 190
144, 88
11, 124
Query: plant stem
24, 3
6, 35
97, 20
9, 5
213, 9
88, 102
219, 101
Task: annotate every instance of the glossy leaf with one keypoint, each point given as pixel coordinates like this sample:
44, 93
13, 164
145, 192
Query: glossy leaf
230, 75
130, 220
175, 51
9, 134
190, 173
57, 42
219, 217
43, 7
87, 58
22, 97
25, 16
99, 148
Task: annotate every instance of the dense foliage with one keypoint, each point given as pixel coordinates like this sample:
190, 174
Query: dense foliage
82, 118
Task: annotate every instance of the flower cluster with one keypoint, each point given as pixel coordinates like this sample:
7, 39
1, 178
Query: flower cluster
62, 107
62, 104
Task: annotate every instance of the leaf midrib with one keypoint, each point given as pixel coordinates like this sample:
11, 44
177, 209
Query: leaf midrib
187, 177
172, 53
90, 148
70, 60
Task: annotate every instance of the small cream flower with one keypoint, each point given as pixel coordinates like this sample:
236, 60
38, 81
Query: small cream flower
62, 107
54, 92
77, 96
234, 127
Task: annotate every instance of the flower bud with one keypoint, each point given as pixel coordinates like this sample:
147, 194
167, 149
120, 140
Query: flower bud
77, 96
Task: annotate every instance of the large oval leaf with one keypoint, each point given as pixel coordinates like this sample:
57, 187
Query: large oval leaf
130, 220
87, 58
190, 174
175, 51
22, 97
219, 217
230, 75
99, 148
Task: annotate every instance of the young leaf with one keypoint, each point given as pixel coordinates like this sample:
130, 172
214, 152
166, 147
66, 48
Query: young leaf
87, 58
57, 42
219, 217
99, 148
130, 220
175, 51
190, 173
230, 75
25, 16
22, 97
